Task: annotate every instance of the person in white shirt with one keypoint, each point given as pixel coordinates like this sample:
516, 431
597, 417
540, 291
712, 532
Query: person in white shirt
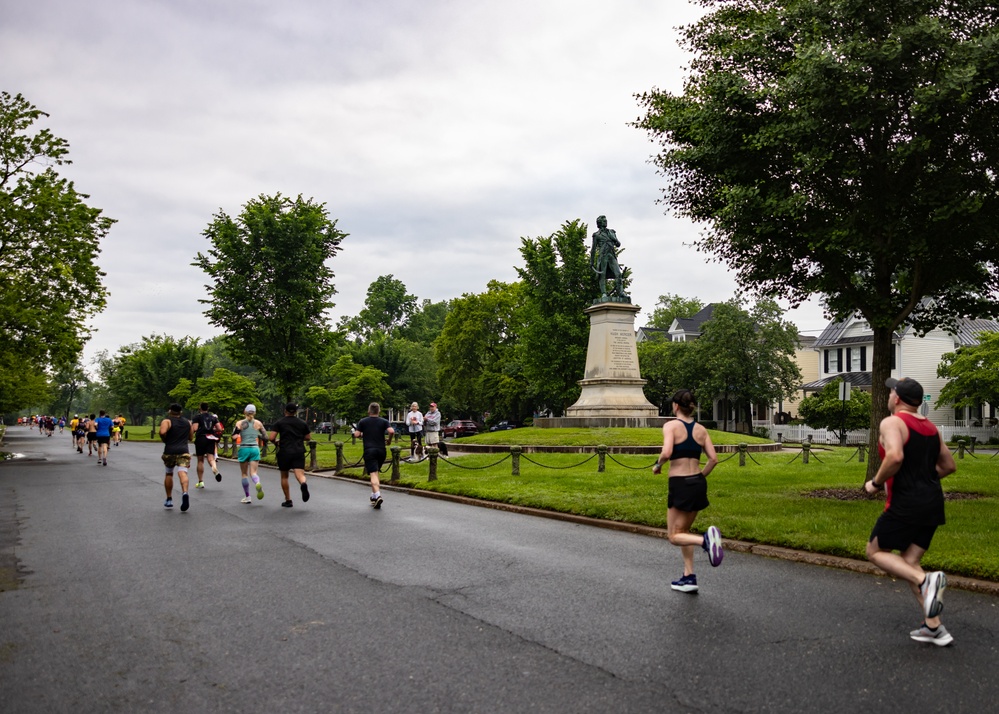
414, 422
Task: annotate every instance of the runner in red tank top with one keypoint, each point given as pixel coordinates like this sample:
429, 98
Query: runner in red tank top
914, 458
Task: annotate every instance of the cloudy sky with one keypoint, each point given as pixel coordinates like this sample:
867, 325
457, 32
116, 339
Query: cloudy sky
438, 133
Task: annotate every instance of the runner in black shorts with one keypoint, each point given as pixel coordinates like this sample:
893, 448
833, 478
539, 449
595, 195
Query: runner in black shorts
290, 434
92, 447
374, 430
206, 440
683, 442
914, 458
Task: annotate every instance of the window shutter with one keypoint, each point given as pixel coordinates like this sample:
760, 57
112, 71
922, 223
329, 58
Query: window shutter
849, 360
839, 359
863, 359
825, 355
893, 360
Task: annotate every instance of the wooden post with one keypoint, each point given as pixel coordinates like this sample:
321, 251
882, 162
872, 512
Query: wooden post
601, 458
515, 453
805, 448
395, 464
742, 453
313, 463
862, 449
338, 445
433, 451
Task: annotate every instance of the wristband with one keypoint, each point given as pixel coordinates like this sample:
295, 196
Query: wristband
877, 486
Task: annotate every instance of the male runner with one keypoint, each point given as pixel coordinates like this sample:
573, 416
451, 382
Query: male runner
91, 423
293, 433
205, 425
175, 433
914, 458
102, 430
374, 430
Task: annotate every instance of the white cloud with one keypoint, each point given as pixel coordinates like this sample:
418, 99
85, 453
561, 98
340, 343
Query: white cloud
438, 133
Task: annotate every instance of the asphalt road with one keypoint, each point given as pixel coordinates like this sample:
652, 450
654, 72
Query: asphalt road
112, 604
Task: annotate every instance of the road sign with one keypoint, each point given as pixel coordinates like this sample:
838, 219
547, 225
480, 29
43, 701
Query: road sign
844, 391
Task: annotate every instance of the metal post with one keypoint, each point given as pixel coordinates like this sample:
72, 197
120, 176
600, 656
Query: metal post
515, 454
313, 463
601, 458
433, 451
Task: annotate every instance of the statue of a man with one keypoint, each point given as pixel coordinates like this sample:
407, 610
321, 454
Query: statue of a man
603, 258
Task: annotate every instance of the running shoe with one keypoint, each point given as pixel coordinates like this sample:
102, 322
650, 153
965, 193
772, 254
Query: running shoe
185, 502
105, 462
376, 502
168, 503
246, 499
932, 591
199, 484
260, 490
686, 584
305, 492
940, 637
713, 545
287, 504
218, 476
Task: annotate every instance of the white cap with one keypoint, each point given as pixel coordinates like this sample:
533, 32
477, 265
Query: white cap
250, 409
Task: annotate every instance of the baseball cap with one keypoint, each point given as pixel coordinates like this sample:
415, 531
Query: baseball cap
250, 409
291, 407
908, 390
433, 404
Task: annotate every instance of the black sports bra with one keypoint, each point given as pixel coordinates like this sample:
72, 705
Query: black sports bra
688, 448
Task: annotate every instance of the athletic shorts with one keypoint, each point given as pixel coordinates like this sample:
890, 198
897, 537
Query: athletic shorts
433, 437
79, 433
180, 461
373, 460
203, 446
290, 462
103, 439
895, 534
91, 436
248, 453
688, 493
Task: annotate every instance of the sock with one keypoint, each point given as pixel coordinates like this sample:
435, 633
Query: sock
246, 486
256, 479
377, 494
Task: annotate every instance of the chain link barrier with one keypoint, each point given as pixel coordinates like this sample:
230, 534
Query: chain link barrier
633, 468
525, 457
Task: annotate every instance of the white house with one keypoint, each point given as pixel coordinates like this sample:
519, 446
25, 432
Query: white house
845, 351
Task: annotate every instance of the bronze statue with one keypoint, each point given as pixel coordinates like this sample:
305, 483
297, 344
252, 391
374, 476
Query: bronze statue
603, 261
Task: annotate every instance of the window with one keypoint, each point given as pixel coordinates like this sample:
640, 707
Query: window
833, 361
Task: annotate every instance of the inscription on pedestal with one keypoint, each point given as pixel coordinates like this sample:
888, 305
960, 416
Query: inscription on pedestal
621, 357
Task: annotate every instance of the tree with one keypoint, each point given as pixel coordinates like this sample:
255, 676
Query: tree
271, 285
425, 323
21, 384
666, 368
558, 285
50, 284
387, 308
846, 150
747, 356
669, 307
67, 384
974, 373
825, 410
352, 387
479, 366
226, 393
409, 368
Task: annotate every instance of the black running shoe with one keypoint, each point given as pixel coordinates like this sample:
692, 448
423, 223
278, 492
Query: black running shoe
377, 503
287, 504
305, 492
185, 502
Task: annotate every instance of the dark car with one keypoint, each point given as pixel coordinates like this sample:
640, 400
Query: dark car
503, 426
324, 428
459, 427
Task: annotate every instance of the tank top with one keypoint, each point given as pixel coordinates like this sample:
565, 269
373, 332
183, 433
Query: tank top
914, 494
248, 433
688, 448
177, 436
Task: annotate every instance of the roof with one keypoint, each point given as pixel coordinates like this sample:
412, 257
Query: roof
967, 330
696, 321
856, 379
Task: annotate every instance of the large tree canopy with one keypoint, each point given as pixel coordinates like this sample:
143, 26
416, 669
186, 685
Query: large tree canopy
50, 283
271, 285
845, 149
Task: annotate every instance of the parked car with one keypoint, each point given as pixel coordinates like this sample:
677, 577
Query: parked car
460, 427
325, 428
503, 426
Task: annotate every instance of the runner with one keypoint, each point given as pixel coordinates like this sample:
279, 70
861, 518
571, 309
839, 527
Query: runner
102, 430
77, 433
205, 425
92, 435
374, 431
914, 458
683, 442
293, 433
251, 437
175, 433
118, 425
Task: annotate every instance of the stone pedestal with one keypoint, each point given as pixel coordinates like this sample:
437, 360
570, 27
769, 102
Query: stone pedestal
612, 384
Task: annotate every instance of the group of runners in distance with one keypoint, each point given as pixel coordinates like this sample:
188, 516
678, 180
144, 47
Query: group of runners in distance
914, 457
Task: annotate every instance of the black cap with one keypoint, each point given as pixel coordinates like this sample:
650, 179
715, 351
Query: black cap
291, 407
908, 390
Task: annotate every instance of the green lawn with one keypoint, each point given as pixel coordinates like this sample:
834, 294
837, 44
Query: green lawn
766, 501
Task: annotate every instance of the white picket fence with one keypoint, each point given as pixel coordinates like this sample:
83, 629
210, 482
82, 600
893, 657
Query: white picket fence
799, 433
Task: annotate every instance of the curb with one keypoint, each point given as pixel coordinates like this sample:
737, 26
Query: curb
960, 582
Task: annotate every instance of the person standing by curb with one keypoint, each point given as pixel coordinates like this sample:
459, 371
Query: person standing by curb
374, 431
914, 458
251, 438
414, 423
432, 425
683, 442
175, 433
290, 433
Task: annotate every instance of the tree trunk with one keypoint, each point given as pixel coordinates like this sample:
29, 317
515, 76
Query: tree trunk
880, 371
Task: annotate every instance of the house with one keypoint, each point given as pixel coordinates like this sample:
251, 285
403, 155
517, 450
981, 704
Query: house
804, 357
846, 349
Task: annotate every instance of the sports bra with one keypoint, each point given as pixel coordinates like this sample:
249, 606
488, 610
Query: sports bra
688, 448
